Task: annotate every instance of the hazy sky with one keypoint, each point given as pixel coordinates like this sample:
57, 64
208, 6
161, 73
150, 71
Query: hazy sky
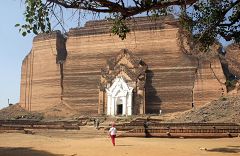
13, 48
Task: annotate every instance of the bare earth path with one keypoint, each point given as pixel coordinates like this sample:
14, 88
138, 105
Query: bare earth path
15, 144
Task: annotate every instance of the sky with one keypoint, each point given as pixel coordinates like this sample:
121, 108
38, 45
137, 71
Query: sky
13, 49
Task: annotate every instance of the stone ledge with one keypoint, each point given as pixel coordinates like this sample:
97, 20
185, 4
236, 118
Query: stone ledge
47, 36
136, 24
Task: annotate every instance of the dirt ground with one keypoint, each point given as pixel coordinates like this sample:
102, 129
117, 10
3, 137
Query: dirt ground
16, 144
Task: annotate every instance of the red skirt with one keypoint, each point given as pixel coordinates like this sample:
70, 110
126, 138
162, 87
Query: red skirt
113, 139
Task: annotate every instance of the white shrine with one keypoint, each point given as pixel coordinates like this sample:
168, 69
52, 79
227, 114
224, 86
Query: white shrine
122, 85
119, 98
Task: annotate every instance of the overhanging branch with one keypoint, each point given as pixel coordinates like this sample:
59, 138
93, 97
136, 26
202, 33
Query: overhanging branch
107, 6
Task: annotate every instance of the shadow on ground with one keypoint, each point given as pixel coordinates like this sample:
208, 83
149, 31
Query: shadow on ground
229, 149
124, 145
22, 151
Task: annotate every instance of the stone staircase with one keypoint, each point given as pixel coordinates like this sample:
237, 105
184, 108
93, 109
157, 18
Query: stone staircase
84, 132
92, 132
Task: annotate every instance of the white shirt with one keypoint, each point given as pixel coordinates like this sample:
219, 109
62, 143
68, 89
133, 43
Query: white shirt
113, 131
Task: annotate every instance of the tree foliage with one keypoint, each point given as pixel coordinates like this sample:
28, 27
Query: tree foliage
36, 17
208, 20
204, 20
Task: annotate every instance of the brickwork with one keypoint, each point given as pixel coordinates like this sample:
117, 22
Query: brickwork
171, 79
41, 78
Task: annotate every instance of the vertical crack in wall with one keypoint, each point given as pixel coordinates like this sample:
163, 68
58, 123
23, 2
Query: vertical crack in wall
223, 84
31, 80
61, 80
26, 76
28, 80
195, 78
61, 58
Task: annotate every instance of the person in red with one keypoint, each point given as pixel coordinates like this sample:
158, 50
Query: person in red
112, 133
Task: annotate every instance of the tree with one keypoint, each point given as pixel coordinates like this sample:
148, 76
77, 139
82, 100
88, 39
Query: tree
203, 21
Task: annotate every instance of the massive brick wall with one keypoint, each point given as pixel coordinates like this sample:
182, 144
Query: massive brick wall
233, 63
170, 78
233, 59
40, 82
171, 75
209, 82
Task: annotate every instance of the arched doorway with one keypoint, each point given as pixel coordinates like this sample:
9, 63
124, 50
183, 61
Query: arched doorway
119, 104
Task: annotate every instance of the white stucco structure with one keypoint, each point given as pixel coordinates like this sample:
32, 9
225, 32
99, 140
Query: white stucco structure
119, 98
